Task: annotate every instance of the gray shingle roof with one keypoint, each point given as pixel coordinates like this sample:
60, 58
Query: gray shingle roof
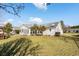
52, 25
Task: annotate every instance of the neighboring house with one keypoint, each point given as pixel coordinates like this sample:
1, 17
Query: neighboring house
73, 30
53, 28
25, 30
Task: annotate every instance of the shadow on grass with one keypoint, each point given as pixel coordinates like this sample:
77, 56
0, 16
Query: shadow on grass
75, 35
75, 38
19, 47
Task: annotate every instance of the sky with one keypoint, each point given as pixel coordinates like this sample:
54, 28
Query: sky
41, 13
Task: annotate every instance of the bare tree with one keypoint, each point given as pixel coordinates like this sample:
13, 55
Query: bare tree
12, 8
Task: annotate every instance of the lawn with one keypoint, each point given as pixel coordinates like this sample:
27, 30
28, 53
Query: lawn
51, 45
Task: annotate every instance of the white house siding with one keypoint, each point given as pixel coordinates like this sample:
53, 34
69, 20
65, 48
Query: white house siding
52, 32
24, 31
59, 28
46, 32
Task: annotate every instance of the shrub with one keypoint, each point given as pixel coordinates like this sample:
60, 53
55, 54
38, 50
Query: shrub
17, 31
20, 47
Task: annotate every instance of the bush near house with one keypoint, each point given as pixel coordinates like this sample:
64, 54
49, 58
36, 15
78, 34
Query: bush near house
75, 26
17, 31
38, 29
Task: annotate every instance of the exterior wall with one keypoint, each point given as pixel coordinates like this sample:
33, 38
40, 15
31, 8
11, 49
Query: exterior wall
25, 31
49, 32
54, 30
29, 32
46, 32
59, 29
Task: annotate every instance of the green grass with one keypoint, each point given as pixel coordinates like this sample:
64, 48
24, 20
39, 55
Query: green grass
70, 34
51, 45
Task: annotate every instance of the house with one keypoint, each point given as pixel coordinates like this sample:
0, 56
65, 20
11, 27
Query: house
25, 29
53, 29
73, 30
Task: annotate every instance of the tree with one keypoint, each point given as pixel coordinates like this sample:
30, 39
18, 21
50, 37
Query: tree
76, 26
7, 29
12, 8
62, 23
63, 26
34, 29
37, 28
43, 28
